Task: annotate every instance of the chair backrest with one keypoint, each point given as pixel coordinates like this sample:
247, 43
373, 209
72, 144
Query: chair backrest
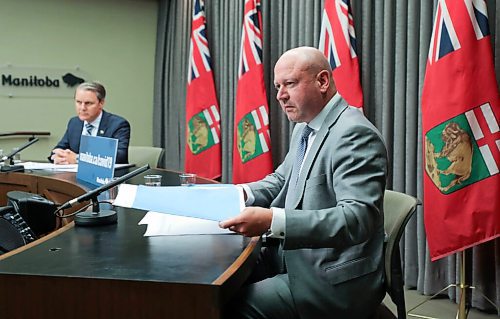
398, 209
142, 155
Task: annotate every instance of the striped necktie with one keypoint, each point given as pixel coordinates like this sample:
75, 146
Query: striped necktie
89, 128
299, 158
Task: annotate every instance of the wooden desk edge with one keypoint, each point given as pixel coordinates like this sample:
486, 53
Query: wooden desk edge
236, 265
38, 241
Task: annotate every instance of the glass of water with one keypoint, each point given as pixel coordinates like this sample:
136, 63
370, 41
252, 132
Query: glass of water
152, 180
17, 157
187, 179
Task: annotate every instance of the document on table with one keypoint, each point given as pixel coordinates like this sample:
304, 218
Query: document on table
161, 224
58, 167
50, 166
193, 209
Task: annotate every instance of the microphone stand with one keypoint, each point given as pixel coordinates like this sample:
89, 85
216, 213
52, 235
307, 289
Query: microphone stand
97, 217
11, 167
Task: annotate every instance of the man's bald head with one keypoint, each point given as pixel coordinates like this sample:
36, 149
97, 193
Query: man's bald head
304, 84
308, 58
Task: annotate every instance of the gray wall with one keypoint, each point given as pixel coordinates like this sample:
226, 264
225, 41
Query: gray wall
111, 40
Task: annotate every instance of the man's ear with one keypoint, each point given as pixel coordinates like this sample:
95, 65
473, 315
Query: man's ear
323, 79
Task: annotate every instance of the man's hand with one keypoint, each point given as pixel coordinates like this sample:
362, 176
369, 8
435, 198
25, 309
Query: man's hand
252, 221
60, 156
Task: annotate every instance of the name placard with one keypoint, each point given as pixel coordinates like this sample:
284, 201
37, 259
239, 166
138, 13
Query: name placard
96, 163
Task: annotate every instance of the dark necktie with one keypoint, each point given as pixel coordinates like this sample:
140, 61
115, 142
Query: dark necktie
299, 158
89, 128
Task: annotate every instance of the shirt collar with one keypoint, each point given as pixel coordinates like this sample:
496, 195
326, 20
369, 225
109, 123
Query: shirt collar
94, 123
316, 122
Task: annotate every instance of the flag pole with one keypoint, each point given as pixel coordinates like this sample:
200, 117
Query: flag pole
461, 313
463, 309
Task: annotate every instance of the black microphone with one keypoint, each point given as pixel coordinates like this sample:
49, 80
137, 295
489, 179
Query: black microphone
14, 152
95, 192
11, 167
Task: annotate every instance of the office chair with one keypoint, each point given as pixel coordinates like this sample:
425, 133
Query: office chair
398, 209
142, 155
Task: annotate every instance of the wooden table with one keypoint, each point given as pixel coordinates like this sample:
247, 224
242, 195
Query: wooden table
115, 272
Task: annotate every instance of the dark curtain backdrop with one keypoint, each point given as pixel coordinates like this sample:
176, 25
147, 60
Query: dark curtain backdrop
393, 40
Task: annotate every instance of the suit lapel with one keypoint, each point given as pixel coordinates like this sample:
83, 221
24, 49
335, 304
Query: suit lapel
79, 129
321, 135
104, 124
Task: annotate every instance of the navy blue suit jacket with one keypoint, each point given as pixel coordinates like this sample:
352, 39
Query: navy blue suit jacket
111, 125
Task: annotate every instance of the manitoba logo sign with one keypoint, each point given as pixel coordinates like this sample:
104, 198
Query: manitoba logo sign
20, 81
463, 150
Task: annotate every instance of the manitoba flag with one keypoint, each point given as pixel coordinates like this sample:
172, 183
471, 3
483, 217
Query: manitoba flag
460, 115
252, 143
338, 42
203, 147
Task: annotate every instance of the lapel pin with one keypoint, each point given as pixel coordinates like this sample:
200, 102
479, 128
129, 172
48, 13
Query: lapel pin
101, 132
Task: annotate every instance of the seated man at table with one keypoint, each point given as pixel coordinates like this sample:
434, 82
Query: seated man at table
322, 207
92, 120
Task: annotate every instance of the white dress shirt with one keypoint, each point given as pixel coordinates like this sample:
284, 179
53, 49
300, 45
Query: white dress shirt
95, 125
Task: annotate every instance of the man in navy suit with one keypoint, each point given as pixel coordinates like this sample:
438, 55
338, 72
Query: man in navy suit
92, 120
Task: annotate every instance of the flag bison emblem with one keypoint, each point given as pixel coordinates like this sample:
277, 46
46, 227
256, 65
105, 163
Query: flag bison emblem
72, 80
454, 158
457, 150
198, 134
252, 131
247, 137
202, 130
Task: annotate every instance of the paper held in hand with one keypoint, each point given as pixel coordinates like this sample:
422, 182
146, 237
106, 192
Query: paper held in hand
215, 202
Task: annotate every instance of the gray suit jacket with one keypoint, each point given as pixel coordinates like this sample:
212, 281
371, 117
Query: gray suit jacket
333, 246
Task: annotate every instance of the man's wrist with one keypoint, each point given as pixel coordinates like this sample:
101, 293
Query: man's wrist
278, 223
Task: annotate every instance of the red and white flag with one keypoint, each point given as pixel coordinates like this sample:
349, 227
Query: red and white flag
338, 42
203, 147
460, 115
252, 159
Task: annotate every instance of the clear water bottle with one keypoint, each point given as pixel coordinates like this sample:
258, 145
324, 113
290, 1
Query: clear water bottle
17, 157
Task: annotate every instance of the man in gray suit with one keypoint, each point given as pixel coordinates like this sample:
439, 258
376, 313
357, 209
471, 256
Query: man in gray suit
326, 211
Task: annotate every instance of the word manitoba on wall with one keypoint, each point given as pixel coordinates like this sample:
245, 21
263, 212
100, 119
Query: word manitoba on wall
28, 81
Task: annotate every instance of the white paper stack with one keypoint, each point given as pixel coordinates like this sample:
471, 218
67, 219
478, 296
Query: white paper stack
181, 210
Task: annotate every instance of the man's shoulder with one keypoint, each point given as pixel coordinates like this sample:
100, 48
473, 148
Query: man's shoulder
354, 116
111, 117
75, 120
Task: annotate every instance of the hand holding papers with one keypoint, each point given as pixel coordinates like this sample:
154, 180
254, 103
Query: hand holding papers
209, 202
